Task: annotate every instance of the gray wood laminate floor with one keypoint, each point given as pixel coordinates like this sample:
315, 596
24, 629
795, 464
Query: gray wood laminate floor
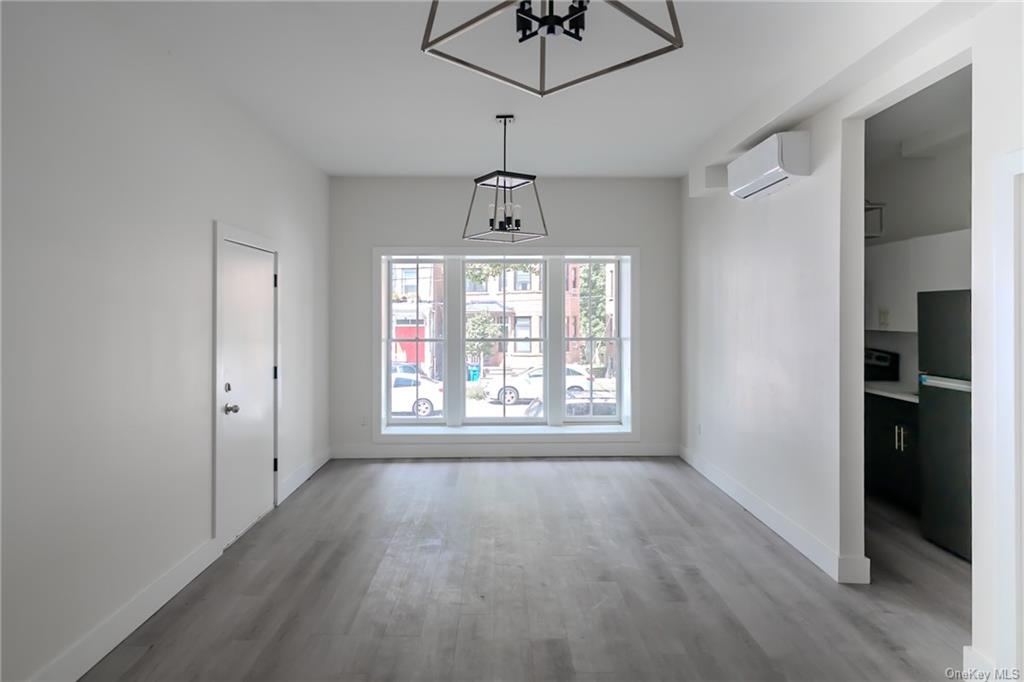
631, 569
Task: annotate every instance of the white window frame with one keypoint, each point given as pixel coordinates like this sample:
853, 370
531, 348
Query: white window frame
509, 340
454, 426
615, 299
389, 340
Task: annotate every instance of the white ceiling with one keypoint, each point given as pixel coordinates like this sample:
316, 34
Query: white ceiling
346, 85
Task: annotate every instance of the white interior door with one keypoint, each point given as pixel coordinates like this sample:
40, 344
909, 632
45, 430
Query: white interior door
245, 457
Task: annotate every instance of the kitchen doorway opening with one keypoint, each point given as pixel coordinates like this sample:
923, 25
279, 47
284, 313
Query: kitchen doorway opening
917, 351
907, 329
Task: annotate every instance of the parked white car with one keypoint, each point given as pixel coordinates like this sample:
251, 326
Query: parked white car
422, 403
529, 384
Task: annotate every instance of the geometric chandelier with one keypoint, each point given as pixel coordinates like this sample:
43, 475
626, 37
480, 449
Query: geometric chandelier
539, 20
499, 217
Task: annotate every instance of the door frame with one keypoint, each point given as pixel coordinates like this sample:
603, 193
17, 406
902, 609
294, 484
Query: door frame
852, 295
223, 233
1016, 164
1008, 275
1004, 337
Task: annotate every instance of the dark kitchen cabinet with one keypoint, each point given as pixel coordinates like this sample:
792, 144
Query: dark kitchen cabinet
891, 470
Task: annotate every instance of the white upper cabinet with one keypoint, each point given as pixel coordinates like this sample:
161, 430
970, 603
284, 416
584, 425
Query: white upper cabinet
889, 299
896, 271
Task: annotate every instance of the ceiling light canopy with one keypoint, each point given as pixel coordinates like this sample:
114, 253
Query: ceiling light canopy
540, 20
504, 220
529, 25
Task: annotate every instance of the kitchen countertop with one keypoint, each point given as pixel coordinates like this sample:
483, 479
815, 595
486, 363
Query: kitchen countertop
891, 389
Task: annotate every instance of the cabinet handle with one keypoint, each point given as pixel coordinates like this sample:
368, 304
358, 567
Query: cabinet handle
903, 439
896, 437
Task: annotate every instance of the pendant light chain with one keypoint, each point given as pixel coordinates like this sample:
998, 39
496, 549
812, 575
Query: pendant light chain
504, 152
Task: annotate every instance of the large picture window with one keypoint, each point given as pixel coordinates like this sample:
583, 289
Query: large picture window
491, 345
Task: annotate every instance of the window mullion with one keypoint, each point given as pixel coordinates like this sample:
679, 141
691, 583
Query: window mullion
416, 321
554, 346
454, 331
624, 328
387, 281
506, 332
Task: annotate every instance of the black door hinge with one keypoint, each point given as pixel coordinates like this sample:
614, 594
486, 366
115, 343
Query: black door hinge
275, 464
275, 281
275, 371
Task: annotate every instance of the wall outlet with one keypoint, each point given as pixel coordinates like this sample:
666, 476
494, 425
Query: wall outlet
883, 318
700, 429
362, 422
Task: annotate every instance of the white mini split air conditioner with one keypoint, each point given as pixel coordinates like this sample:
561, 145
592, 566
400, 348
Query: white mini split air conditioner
771, 165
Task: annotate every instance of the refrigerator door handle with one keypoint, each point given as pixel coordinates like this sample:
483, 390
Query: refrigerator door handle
946, 382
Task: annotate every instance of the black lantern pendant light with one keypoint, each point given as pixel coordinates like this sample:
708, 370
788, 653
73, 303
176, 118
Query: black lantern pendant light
539, 19
504, 220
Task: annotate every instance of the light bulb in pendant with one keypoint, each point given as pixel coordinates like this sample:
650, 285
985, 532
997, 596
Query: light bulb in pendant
506, 211
500, 220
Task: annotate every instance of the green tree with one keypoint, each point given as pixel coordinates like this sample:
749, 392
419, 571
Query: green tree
593, 311
481, 326
481, 272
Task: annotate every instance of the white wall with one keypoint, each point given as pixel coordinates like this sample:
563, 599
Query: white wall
760, 326
773, 311
430, 212
114, 169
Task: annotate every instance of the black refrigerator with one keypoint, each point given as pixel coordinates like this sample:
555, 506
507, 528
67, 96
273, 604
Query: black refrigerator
944, 415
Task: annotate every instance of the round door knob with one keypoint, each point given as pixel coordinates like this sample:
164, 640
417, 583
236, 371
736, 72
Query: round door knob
230, 409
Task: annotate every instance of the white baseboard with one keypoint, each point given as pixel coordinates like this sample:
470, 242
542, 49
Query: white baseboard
298, 477
853, 569
78, 658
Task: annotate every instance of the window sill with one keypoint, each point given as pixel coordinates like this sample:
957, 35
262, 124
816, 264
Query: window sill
518, 433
